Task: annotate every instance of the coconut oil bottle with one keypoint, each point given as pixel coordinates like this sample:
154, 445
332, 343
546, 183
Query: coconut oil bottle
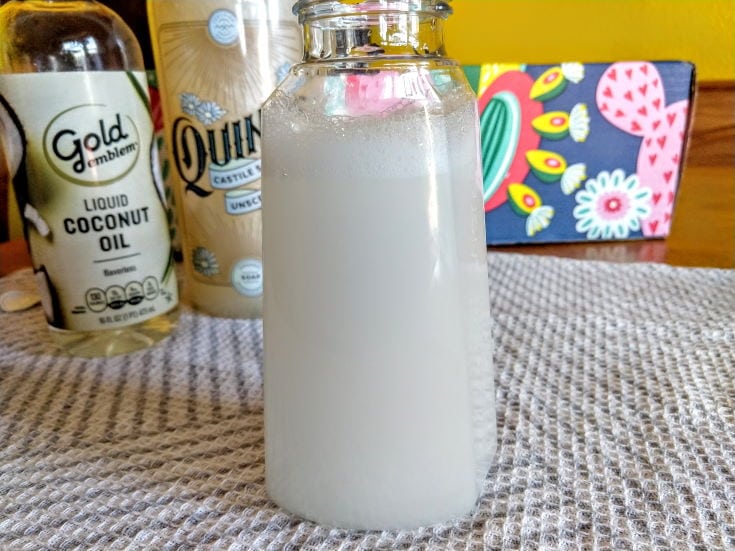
76, 137
217, 61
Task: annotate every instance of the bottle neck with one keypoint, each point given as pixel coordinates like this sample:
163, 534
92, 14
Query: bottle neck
338, 30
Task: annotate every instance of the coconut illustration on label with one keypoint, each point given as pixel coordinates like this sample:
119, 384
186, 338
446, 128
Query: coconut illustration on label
13, 137
13, 150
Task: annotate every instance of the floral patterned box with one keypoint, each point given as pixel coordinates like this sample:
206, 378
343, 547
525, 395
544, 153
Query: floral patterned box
573, 152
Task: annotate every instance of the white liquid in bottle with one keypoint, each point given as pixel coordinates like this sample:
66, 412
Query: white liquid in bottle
379, 401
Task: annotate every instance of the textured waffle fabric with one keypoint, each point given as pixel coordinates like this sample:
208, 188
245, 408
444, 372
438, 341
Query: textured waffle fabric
615, 397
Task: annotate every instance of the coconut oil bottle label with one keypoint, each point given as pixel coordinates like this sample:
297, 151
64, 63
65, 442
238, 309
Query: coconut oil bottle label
94, 217
217, 61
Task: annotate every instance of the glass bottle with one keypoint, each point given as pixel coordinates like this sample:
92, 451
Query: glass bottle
217, 61
77, 139
379, 400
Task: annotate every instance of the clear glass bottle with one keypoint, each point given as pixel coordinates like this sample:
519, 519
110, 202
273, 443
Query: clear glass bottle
77, 137
379, 400
217, 61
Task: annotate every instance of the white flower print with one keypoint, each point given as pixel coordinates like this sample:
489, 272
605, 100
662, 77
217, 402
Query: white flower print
611, 206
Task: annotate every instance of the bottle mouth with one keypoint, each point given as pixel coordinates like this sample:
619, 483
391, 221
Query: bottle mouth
315, 9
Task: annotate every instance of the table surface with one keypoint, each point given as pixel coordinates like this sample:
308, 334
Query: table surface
702, 232
615, 393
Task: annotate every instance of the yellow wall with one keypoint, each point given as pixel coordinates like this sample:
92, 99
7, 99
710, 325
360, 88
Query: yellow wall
548, 31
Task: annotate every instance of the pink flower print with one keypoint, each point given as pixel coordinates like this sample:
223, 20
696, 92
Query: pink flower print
613, 205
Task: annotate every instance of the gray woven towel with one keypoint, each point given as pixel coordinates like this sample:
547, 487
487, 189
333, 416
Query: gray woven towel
615, 398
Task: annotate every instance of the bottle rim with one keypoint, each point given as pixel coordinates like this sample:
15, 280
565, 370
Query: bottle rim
308, 9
